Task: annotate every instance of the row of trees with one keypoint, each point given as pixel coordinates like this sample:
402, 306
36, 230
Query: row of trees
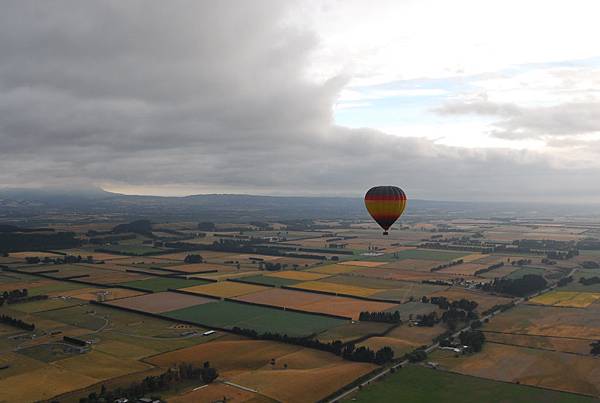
66, 259
347, 351
385, 317
9, 320
445, 265
154, 384
21, 242
444, 303
190, 259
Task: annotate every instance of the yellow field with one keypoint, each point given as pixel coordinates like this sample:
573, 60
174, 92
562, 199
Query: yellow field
298, 275
362, 263
571, 299
41, 384
337, 288
225, 289
334, 269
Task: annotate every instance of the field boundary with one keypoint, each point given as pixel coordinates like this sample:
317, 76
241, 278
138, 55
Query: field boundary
242, 280
282, 308
538, 335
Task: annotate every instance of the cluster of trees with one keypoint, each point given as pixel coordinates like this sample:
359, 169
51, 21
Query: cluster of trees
428, 320
66, 259
518, 287
565, 280
445, 265
595, 348
269, 266
9, 320
589, 280
348, 351
474, 339
416, 355
444, 303
489, 268
193, 259
153, 384
385, 317
590, 264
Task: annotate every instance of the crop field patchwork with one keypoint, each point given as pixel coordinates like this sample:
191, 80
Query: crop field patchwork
269, 280
225, 289
430, 254
566, 298
160, 302
318, 303
333, 269
336, 288
362, 263
297, 275
157, 284
465, 269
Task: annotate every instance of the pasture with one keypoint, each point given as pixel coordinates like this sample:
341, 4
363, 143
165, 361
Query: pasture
297, 275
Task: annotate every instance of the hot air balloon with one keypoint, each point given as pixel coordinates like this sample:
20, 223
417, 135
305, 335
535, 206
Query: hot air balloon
385, 204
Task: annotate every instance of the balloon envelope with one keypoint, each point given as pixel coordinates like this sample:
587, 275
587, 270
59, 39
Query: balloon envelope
385, 204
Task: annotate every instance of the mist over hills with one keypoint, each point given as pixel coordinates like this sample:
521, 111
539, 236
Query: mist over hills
19, 204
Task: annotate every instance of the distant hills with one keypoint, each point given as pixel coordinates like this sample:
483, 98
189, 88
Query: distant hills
18, 205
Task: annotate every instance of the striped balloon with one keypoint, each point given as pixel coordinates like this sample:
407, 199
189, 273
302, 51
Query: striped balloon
385, 204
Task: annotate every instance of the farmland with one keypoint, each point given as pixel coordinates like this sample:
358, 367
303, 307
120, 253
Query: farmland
139, 313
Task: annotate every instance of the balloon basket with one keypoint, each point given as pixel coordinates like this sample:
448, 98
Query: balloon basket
385, 233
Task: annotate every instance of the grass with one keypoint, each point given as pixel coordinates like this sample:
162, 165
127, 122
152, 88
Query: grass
159, 284
418, 384
228, 314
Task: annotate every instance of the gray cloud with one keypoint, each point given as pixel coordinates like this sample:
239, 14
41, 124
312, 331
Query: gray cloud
517, 122
213, 96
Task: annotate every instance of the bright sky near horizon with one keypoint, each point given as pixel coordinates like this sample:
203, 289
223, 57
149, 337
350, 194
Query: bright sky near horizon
460, 100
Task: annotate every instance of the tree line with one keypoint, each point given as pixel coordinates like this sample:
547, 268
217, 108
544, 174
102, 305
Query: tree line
385, 317
519, 287
347, 351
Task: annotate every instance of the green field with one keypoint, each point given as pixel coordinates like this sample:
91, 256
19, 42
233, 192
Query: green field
226, 314
159, 284
524, 271
416, 384
575, 285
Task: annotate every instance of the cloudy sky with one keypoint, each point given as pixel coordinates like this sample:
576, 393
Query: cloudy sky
460, 100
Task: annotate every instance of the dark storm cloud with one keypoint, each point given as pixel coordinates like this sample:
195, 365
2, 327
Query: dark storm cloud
516, 122
211, 95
